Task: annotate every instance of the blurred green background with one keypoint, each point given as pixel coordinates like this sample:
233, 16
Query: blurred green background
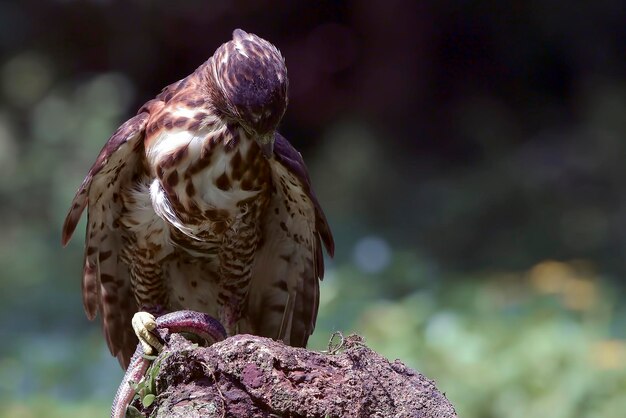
468, 155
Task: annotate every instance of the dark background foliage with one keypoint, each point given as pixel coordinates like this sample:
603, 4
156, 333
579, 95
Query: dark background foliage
468, 155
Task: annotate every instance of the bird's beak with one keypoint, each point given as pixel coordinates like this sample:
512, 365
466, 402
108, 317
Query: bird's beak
267, 146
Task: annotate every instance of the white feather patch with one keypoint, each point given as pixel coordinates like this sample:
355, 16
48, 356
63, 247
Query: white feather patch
163, 209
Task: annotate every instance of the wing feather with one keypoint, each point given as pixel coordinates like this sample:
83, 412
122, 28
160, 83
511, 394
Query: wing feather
106, 278
292, 160
284, 294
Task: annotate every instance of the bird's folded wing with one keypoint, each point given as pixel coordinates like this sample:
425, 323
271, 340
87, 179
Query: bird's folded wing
284, 293
106, 281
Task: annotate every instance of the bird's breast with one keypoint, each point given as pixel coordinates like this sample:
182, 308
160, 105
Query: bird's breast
210, 182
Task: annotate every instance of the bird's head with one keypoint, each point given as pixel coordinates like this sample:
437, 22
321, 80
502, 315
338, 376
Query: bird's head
249, 85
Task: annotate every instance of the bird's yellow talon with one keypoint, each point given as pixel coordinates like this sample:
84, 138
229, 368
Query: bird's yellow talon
143, 323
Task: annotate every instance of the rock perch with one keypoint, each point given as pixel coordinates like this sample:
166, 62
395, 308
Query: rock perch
249, 376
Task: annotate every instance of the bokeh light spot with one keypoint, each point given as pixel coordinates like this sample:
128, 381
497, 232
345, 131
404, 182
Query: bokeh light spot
25, 78
372, 254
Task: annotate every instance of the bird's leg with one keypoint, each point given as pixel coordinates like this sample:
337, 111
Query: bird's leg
200, 324
236, 255
229, 314
231, 302
150, 292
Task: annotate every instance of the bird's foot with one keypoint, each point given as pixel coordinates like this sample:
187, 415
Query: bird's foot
199, 324
143, 324
229, 318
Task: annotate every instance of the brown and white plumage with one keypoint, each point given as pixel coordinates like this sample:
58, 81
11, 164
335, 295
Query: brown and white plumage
197, 203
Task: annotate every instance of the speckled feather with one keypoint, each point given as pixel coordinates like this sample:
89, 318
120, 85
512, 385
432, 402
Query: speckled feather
190, 208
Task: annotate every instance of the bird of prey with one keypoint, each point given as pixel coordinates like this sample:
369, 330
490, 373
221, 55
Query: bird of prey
198, 203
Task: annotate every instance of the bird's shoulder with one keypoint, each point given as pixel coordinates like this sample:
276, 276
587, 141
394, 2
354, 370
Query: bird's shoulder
182, 105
